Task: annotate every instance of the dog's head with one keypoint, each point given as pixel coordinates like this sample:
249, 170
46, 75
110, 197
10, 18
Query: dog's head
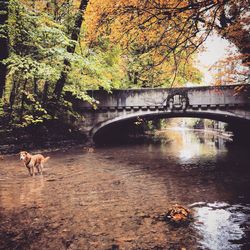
23, 155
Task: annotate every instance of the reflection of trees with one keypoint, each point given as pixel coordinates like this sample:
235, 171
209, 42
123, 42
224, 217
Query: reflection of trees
188, 145
27, 192
202, 140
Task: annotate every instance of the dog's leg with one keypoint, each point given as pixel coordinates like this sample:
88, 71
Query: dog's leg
38, 168
29, 171
41, 168
32, 170
27, 166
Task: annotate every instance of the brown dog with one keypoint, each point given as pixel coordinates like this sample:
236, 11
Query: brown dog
33, 161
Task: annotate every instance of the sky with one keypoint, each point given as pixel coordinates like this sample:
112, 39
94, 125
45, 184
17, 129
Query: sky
216, 48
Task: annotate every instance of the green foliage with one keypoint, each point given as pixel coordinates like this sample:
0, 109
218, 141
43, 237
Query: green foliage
39, 43
95, 69
39, 47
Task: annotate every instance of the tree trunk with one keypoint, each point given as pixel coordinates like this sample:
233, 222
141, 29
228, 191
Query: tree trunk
36, 86
22, 101
135, 78
71, 49
12, 96
4, 52
45, 92
61, 81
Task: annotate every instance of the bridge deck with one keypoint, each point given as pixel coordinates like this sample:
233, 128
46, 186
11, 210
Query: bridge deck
201, 96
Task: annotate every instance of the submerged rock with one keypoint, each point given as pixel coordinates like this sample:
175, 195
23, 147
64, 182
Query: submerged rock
89, 149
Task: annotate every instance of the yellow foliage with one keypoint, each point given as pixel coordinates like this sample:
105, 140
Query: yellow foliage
158, 40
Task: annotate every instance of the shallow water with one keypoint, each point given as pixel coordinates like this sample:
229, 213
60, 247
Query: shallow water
112, 198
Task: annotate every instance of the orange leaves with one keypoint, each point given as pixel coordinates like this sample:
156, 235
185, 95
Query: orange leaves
231, 70
159, 34
147, 23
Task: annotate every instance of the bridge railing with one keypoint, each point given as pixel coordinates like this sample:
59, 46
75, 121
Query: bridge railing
194, 97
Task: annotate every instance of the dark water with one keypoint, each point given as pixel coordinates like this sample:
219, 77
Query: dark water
208, 173
111, 198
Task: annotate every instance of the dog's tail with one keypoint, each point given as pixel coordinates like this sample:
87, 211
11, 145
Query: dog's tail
46, 159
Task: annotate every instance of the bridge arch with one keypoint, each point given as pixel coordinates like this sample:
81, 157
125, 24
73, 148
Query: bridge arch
217, 115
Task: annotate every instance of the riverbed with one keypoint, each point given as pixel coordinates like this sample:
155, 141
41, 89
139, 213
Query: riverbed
114, 197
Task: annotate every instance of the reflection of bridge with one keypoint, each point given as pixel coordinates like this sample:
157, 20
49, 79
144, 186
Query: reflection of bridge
225, 103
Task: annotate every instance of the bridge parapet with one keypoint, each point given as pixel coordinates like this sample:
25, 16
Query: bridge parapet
162, 97
225, 103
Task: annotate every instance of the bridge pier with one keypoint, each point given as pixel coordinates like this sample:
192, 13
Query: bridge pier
241, 131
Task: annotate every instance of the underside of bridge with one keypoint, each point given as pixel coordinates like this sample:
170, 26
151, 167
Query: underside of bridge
120, 127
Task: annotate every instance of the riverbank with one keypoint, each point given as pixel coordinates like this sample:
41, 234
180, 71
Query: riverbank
50, 135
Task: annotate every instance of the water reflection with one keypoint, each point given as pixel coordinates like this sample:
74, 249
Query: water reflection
189, 145
28, 192
221, 225
223, 222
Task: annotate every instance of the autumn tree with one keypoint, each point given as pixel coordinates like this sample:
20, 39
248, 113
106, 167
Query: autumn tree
233, 24
231, 70
169, 29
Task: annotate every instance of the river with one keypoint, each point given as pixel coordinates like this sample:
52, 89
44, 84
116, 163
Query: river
114, 197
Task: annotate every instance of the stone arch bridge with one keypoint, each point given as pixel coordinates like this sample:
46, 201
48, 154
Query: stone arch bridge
229, 103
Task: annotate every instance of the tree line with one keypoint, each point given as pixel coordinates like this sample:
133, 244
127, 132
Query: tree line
50, 47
